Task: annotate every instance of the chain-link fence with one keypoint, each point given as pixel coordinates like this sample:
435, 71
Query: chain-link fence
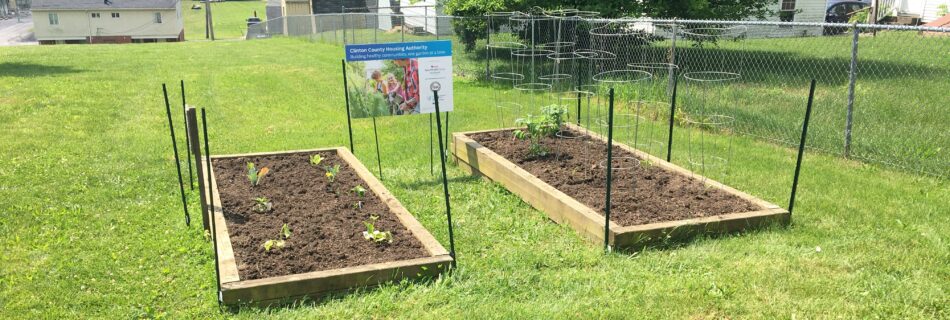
883, 93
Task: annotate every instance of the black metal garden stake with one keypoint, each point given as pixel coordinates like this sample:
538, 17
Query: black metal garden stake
214, 235
445, 154
181, 183
445, 179
191, 180
346, 96
431, 151
610, 167
801, 146
379, 160
669, 142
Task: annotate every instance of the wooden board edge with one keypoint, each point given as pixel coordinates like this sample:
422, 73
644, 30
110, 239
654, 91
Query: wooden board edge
662, 163
227, 265
273, 153
582, 218
431, 244
330, 281
633, 236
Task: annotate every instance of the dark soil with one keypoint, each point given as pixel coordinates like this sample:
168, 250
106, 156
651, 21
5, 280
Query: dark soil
641, 194
327, 231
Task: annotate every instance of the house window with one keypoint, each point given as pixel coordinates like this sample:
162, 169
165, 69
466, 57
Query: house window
95, 15
115, 14
158, 17
787, 14
788, 5
53, 19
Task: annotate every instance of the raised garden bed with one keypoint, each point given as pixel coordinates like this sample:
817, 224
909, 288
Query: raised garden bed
315, 228
668, 202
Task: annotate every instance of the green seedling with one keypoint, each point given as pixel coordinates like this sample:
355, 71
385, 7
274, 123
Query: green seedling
540, 127
315, 160
274, 244
374, 235
332, 172
280, 242
255, 175
359, 190
262, 204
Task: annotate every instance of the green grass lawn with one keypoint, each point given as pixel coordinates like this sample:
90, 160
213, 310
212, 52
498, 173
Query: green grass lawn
92, 224
230, 18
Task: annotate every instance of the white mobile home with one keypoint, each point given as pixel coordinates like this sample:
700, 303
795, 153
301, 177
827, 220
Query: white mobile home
107, 21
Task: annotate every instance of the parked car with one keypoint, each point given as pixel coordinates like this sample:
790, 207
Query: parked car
841, 12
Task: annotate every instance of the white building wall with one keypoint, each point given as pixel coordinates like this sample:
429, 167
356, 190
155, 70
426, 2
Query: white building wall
426, 17
930, 9
806, 11
79, 24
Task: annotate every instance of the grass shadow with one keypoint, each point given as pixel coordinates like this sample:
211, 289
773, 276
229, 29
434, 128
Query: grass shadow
29, 70
685, 240
311, 301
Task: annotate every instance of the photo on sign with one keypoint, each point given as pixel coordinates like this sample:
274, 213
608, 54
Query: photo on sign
381, 88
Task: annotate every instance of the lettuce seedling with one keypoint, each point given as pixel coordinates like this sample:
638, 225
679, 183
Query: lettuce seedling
360, 192
255, 175
280, 242
262, 204
374, 235
315, 160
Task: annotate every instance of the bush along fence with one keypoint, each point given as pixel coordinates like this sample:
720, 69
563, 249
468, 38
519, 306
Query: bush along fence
881, 99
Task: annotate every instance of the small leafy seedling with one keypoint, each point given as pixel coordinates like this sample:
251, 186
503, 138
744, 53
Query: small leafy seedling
280, 242
332, 172
360, 192
262, 204
315, 160
255, 175
374, 235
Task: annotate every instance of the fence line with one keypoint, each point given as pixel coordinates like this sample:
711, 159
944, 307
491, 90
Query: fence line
882, 88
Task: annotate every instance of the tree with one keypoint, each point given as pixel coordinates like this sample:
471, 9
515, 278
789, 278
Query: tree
469, 30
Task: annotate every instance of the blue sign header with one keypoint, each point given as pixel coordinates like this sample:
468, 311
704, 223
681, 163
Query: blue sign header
398, 50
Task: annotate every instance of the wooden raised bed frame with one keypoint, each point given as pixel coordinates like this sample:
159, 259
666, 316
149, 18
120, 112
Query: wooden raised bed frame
318, 283
479, 160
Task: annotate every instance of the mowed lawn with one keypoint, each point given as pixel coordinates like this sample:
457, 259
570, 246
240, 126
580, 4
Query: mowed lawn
91, 223
230, 18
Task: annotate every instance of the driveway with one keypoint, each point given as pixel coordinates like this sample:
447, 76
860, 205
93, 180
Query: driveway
13, 33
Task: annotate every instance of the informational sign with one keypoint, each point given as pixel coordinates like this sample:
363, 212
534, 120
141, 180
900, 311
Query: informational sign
389, 79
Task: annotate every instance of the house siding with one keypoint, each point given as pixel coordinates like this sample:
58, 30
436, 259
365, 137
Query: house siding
806, 11
131, 24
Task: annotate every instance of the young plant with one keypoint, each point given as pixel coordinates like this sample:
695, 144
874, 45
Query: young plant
332, 172
556, 115
262, 204
280, 242
374, 235
360, 192
255, 175
315, 160
540, 127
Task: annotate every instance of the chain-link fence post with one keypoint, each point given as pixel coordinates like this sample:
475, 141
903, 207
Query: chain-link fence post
343, 15
852, 78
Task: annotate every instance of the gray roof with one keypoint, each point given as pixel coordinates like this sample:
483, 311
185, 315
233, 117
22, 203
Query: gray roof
101, 4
